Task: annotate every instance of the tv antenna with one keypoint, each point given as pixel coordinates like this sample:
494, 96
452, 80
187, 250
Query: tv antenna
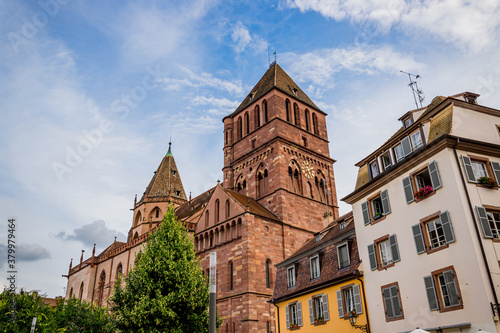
418, 95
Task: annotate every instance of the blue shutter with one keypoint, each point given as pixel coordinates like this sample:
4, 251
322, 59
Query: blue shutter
496, 170
447, 228
287, 317
434, 173
299, 314
431, 293
483, 219
419, 238
449, 279
357, 299
366, 212
372, 256
311, 311
340, 304
394, 248
326, 310
386, 207
468, 169
405, 143
408, 190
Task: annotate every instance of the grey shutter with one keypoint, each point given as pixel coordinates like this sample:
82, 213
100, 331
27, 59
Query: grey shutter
405, 143
299, 314
408, 190
372, 256
433, 171
483, 219
449, 236
386, 207
449, 280
326, 309
357, 299
311, 311
431, 293
389, 310
366, 212
395, 301
340, 304
496, 170
394, 248
468, 169
287, 317
419, 238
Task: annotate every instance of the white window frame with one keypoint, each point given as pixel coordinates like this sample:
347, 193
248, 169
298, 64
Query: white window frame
416, 143
318, 307
479, 171
374, 169
294, 319
385, 252
439, 239
398, 152
383, 159
346, 245
290, 274
315, 267
349, 301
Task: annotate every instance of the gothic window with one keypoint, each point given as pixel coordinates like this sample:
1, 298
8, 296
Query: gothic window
238, 231
226, 137
307, 120
217, 210
309, 190
71, 293
231, 275
287, 104
257, 116
157, 213
247, 123
216, 237
241, 185
228, 208
81, 291
119, 270
320, 185
222, 235
262, 183
296, 114
268, 273
102, 282
294, 178
207, 218
138, 219
315, 124
136, 235
239, 129
264, 106
196, 244
211, 239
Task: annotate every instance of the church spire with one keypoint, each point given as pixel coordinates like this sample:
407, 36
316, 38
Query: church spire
169, 152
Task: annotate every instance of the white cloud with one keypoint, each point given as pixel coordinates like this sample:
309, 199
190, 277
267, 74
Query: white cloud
472, 25
241, 36
223, 106
93, 233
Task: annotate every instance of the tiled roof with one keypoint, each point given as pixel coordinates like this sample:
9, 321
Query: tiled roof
275, 77
441, 124
253, 206
329, 265
192, 209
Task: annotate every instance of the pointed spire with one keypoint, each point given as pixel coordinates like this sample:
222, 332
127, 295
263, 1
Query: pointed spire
169, 152
81, 258
70, 265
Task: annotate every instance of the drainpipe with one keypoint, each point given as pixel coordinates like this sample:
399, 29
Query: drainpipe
478, 233
357, 274
278, 316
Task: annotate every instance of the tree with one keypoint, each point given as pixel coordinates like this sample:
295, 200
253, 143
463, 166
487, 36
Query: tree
166, 291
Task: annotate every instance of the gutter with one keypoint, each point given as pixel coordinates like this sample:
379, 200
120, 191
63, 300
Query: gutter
278, 315
357, 273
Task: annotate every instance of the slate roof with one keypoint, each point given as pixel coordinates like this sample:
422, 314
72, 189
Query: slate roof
275, 77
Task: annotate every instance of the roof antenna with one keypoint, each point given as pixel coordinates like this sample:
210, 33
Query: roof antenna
414, 88
275, 58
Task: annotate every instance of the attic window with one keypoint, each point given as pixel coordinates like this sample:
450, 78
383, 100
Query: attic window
408, 121
178, 193
318, 237
343, 225
294, 90
251, 95
174, 172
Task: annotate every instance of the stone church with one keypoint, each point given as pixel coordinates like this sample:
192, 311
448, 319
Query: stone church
278, 190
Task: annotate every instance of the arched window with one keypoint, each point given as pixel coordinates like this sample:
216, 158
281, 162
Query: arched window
222, 235
231, 286
138, 219
307, 120
287, 105
257, 116
196, 245
262, 182
217, 210
211, 239
157, 213
207, 218
241, 184
136, 235
216, 242
320, 185
234, 233
71, 292
238, 232
264, 107
102, 283
309, 190
228, 232
315, 124
81, 291
239, 129
247, 123
119, 270
268, 273
296, 114
226, 136
228, 208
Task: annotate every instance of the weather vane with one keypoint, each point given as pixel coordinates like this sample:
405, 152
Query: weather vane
418, 95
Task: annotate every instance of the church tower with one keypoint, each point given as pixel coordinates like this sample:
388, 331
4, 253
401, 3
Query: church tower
276, 151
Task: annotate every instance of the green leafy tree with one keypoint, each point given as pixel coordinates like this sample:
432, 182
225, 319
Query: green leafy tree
77, 316
166, 291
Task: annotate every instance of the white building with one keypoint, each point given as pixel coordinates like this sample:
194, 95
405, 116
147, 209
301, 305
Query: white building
428, 230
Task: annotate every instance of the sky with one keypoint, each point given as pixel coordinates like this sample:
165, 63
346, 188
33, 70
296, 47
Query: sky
91, 92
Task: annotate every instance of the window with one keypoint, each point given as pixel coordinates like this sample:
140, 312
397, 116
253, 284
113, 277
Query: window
318, 308
477, 167
290, 273
207, 218
157, 213
239, 129
416, 139
71, 293
217, 210
307, 120
287, 105
315, 124
349, 299
392, 302
403, 149
433, 232
252, 142
262, 183
296, 114
247, 123
398, 151
425, 180
343, 255
408, 121
386, 160
490, 221
304, 141
374, 169
257, 116
376, 207
268, 273
443, 292
228, 207
81, 292
342, 225
231, 286
294, 315
315, 270
264, 106
384, 252
119, 270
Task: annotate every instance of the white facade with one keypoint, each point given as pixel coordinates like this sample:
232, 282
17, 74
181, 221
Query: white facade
438, 276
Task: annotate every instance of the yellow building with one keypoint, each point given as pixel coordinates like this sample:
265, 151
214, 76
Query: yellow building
320, 287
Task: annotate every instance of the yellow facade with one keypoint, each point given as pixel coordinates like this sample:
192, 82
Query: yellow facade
335, 324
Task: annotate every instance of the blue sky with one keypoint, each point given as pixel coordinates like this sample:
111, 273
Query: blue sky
91, 93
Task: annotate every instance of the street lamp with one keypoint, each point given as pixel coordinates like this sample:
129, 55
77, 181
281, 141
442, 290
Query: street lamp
353, 318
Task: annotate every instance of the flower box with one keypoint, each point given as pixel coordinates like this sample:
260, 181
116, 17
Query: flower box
488, 182
423, 192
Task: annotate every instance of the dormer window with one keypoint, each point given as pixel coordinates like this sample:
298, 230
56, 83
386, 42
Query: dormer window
343, 225
407, 122
374, 169
294, 90
416, 139
386, 160
251, 96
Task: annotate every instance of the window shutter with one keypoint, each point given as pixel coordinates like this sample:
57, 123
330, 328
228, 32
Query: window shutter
431, 293
340, 304
357, 299
299, 314
366, 212
447, 228
326, 310
395, 301
311, 311
496, 170
372, 256
408, 190
449, 279
468, 169
405, 143
394, 248
435, 178
419, 238
287, 317
483, 219
386, 207
389, 310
